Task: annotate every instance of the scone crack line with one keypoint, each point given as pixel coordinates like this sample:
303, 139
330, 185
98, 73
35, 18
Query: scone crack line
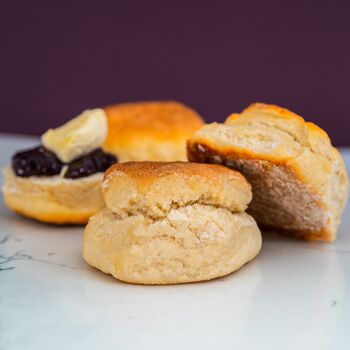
177, 217
165, 211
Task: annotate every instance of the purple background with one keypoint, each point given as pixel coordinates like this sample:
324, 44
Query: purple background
60, 57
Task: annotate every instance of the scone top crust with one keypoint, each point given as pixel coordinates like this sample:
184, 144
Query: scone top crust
155, 131
275, 134
152, 171
154, 188
159, 119
304, 133
279, 133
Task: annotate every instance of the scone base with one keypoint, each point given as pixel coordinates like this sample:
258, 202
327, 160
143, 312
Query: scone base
44, 211
191, 244
53, 199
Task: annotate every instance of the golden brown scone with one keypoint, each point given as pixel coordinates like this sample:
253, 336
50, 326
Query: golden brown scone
170, 223
53, 199
155, 131
299, 180
154, 188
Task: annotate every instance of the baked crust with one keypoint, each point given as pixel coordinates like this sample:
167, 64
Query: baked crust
297, 151
53, 199
148, 172
150, 130
156, 187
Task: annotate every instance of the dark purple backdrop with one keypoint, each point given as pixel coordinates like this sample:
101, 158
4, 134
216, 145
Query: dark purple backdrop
60, 57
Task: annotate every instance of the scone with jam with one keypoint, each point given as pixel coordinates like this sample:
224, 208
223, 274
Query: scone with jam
59, 181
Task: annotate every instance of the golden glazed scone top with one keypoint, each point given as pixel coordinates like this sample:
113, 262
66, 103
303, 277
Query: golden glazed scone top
156, 187
155, 131
161, 120
152, 171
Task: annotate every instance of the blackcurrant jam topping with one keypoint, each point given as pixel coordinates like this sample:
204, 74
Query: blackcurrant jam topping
37, 161
94, 162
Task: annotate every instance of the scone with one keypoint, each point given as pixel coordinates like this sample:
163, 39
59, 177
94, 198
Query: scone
155, 131
299, 181
60, 181
168, 223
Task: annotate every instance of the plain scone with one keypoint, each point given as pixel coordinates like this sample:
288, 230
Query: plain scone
299, 180
156, 130
53, 199
168, 223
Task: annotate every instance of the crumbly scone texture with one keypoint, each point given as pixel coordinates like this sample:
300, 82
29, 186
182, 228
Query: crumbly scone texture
194, 234
155, 131
189, 244
53, 199
299, 180
153, 188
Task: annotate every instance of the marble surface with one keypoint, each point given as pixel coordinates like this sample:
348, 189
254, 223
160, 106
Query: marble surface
295, 295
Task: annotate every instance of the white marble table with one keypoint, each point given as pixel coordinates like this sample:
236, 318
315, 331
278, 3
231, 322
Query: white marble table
295, 295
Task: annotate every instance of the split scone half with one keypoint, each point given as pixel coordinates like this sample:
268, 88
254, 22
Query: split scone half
53, 199
59, 181
299, 180
170, 223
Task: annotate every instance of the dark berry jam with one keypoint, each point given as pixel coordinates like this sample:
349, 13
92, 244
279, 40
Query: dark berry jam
94, 162
37, 161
